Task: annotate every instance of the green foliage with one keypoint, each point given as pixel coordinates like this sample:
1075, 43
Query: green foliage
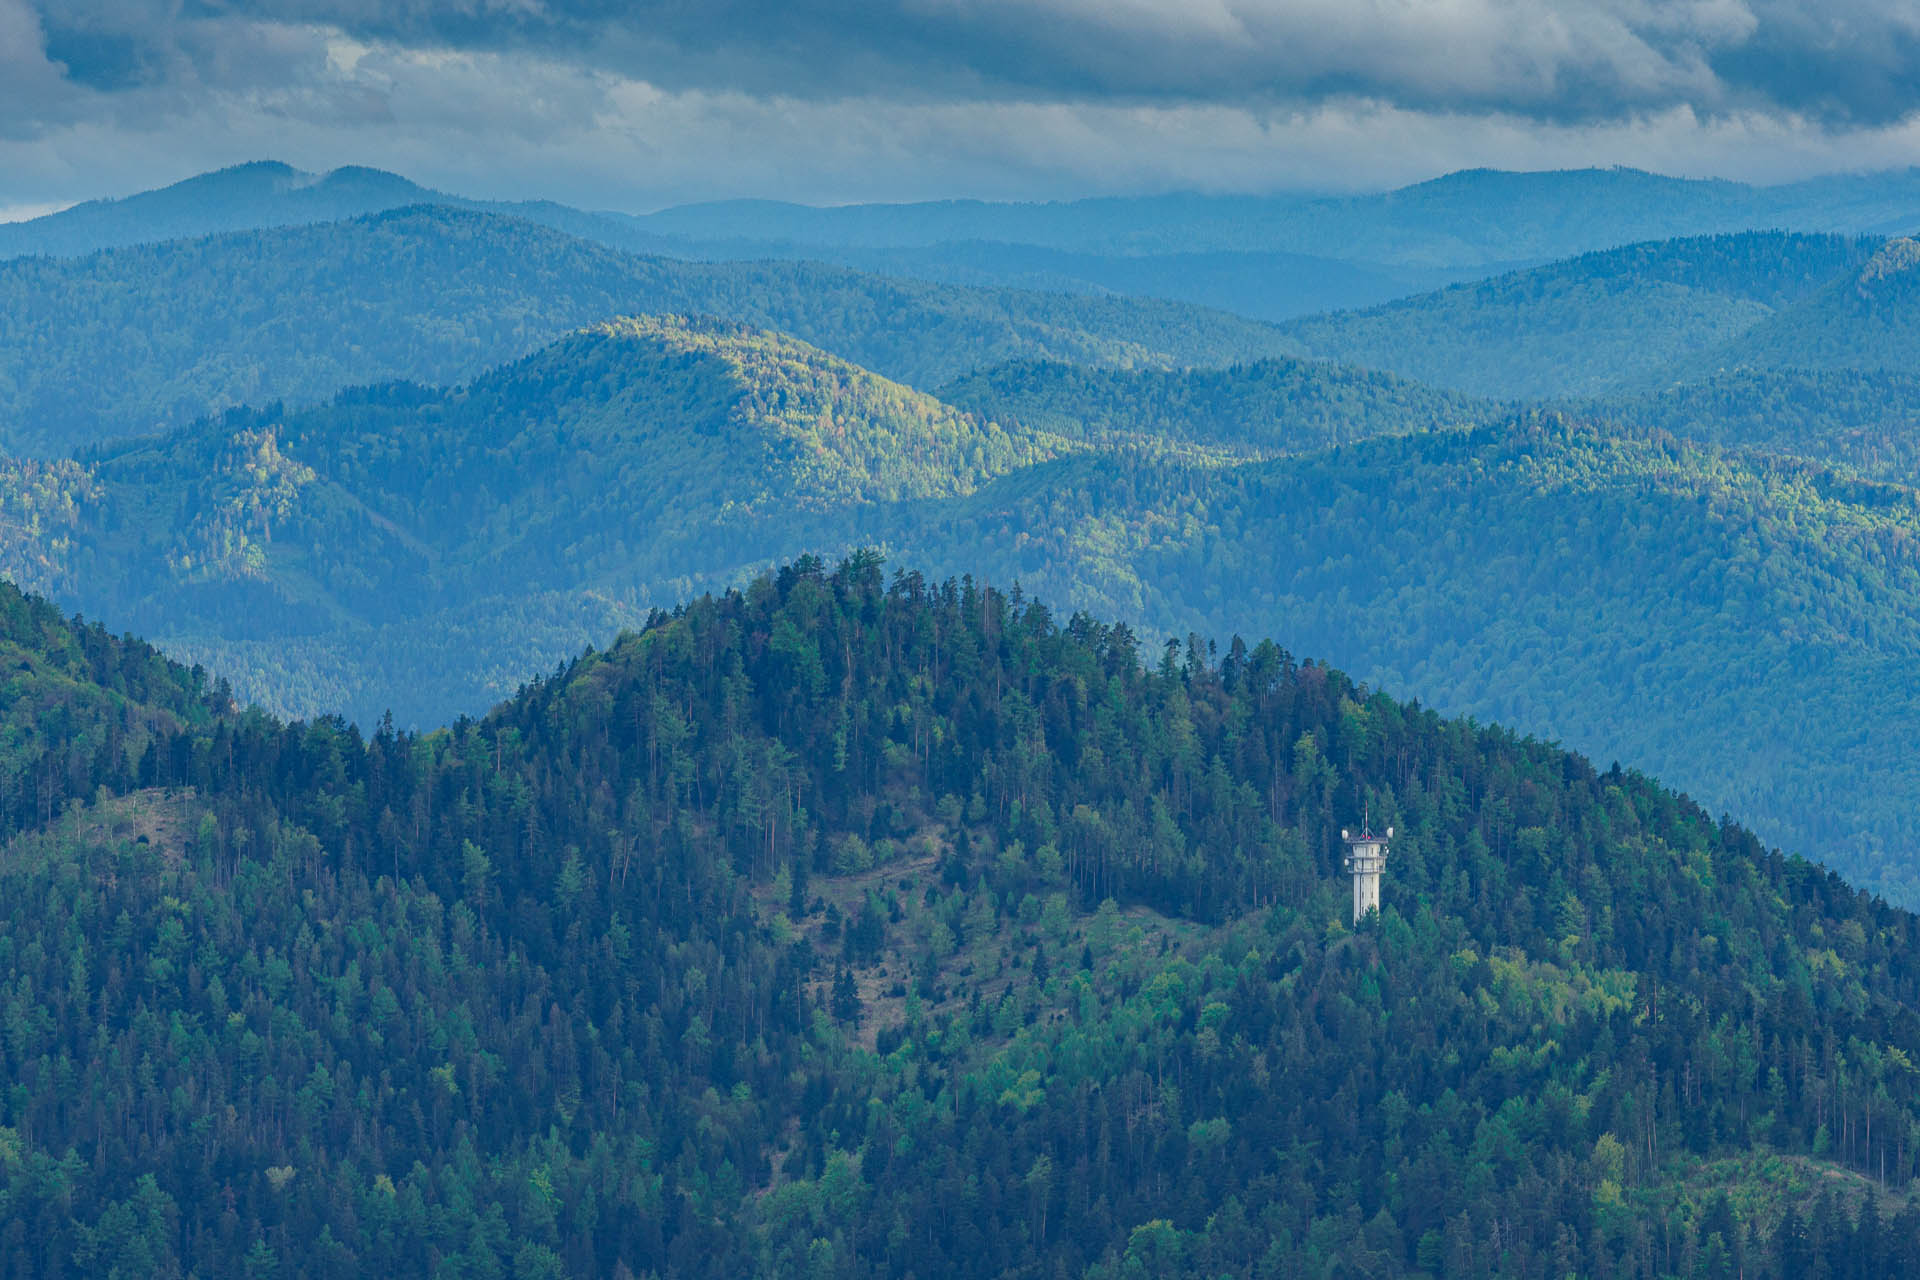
1260, 410
519, 997
1867, 320
1864, 422
1745, 628
1591, 324
130, 340
80, 709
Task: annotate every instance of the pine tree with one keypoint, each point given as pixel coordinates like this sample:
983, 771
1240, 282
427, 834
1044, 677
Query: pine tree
846, 997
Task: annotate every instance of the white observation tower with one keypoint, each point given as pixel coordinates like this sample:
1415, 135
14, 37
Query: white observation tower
1366, 859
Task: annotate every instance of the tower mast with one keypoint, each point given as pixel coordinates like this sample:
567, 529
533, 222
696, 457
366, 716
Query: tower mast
1366, 859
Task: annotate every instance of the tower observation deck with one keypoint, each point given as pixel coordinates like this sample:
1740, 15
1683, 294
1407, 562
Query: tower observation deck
1366, 859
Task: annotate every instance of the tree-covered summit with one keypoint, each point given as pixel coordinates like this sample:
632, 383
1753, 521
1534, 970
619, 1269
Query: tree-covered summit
662, 451
136, 339
1743, 626
839, 925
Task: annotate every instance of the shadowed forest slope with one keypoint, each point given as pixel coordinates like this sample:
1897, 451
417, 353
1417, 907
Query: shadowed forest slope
837, 926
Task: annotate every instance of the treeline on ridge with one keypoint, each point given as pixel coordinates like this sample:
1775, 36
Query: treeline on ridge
839, 926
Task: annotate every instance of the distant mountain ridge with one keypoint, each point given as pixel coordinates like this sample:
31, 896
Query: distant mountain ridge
1470, 218
1267, 257
256, 196
1605, 321
130, 341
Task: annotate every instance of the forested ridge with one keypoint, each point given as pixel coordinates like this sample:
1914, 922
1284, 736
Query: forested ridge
1868, 319
1743, 626
1867, 422
656, 455
1740, 624
1259, 410
1596, 323
128, 341
838, 926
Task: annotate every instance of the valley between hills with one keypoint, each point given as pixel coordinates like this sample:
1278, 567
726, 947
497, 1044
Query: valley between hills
764, 741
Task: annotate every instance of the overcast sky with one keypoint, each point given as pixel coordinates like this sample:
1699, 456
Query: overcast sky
635, 104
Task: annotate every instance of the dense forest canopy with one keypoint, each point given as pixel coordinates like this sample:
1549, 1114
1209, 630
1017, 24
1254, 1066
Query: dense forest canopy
1745, 628
839, 926
1592, 579
1258, 410
133, 340
1867, 423
431, 530
1591, 324
1868, 319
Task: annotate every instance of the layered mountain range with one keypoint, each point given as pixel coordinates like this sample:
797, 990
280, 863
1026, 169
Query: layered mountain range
665, 757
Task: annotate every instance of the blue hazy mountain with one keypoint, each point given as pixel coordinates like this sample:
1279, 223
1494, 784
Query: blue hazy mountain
1472, 219
1597, 322
149, 337
245, 197
1269, 257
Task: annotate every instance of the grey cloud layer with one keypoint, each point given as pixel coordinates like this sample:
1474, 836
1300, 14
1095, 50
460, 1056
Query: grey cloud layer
1840, 62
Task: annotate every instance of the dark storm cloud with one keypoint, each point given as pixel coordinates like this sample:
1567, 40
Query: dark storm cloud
1842, 62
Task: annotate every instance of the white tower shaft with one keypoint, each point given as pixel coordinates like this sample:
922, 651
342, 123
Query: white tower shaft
1366, 859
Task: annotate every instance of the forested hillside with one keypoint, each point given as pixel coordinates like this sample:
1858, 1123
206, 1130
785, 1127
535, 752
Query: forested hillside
1590, 324
1868, 320
76, 704
425, 551
833, 927
1258, 410
138, 339
1745, 629
1261, 285
1865, 422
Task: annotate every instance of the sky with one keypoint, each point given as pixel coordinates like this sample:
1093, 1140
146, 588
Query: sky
638, 104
